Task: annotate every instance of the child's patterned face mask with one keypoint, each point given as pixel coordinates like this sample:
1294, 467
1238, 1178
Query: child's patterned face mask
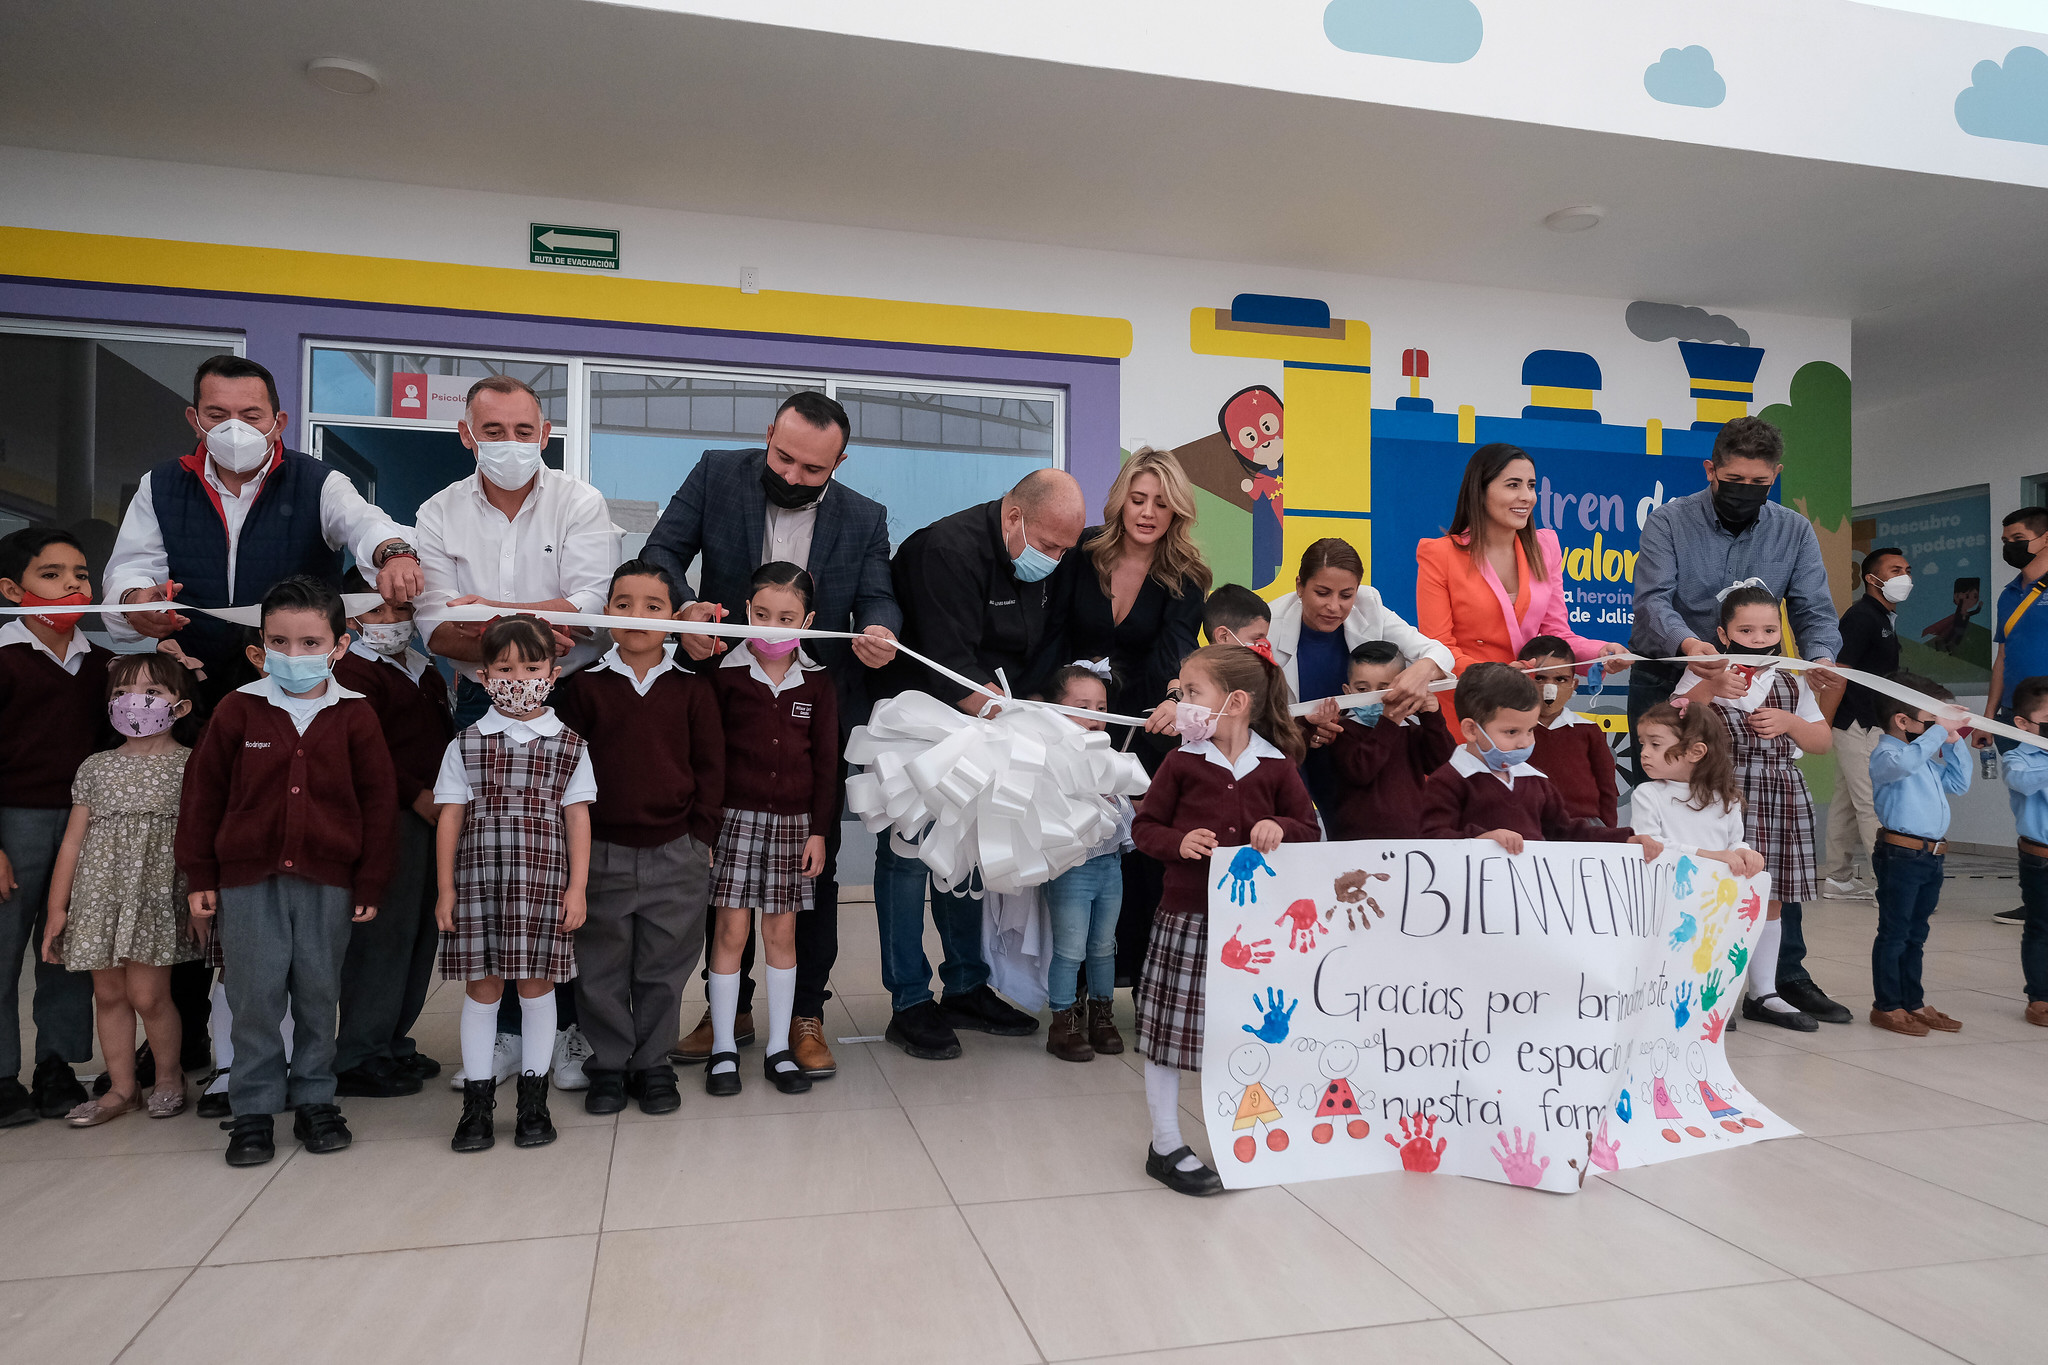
517, 696
139, 714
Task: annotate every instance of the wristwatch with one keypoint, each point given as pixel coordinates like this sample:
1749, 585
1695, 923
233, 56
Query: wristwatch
394, 550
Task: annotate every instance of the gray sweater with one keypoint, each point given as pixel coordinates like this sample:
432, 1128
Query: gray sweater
1687, 556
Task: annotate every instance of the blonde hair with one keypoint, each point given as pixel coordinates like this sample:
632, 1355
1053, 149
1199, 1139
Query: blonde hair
1176, 560
1237, 669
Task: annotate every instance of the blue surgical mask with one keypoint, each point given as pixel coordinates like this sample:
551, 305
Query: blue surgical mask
1500, 760
1596, 673
297, 672
1034, 563
1368, 714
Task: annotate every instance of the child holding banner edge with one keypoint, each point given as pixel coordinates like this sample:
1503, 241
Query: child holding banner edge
1234, 780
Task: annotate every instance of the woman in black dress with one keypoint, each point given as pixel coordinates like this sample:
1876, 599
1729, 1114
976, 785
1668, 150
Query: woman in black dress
1131, 597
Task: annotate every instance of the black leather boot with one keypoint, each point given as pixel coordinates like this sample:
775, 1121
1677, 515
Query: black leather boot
475, 1131
533, 1127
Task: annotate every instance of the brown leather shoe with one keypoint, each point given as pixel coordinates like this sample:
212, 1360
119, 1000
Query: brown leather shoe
807, 1048
1898, 1021
694, 1048
1067, 1039
1102, 1034
1935, 1019
2037, 1012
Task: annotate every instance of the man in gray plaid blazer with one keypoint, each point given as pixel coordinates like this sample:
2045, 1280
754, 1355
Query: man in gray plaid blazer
741, 509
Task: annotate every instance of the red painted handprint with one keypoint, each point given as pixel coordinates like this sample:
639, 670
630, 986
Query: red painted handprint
1300, 919
1246, 957
1751, 908
1519, 1161
1715, 1023
1416, 1153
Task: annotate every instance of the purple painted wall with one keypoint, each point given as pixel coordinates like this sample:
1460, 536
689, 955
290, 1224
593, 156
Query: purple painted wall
277, 327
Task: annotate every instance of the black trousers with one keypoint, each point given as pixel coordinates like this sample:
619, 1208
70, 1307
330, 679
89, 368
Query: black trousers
389, 967
1648, 685
817, 940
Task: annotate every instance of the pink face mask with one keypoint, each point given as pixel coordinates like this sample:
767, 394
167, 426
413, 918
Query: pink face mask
1194, 723
139, 714
773, 649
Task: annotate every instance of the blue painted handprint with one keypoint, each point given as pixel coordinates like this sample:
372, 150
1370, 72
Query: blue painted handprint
1243, 868
1624, 1106
1681, 880
1681, 1005
1687, 927
1278, 1011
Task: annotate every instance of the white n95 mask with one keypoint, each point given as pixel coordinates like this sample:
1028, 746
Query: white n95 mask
238, 447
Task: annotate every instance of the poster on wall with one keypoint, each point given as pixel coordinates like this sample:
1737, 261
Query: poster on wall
1945, 627
1441, 1007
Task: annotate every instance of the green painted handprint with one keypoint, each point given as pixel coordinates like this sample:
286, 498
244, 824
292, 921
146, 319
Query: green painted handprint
1738, 957
1710, 990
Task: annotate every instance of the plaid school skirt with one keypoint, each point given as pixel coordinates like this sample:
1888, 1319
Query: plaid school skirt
1777, 810
512, 864
759, 862
1171, 990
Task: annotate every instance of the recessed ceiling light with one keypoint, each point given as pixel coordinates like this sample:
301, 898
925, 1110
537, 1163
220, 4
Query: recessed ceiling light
1577, 218
343, 76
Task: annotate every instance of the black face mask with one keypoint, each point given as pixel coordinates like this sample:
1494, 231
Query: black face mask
2017, 554
1737, 504
1776, 651
790, 497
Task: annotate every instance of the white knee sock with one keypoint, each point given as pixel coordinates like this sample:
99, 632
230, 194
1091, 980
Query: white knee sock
722, 993
223, 1026
536, 1032
1763, 968
781, 1000
1162, 1098
479, 1037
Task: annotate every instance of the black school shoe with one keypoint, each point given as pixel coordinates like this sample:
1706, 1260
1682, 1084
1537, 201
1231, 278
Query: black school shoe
790, 1082
983, 1011
475, 1131
607, 1092
534, 1126
321, 1129
1166, 1170
215, 1105
1812, 1001
922, 1031
56, 1089
16, 1107
145, 1073
722, 1084
656, 1090
381, 1080
1757, 1012
249, 1140
418, 1064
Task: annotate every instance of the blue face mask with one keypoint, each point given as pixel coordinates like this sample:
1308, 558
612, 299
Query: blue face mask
1596, 674
297, 672
1368, 714
1499, 760
1034, 563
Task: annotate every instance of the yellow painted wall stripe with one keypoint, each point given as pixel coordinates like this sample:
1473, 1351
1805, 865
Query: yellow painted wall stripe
1206, 338
1548, 396
155, 263
1719, 409
1725, 385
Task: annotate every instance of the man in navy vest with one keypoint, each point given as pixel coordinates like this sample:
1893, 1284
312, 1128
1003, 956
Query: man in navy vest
216, 527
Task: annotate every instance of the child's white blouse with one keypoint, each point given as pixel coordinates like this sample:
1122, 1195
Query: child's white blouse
1663, 810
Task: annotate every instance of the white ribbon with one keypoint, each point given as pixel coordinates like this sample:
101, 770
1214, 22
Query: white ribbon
353, 603
1022, 795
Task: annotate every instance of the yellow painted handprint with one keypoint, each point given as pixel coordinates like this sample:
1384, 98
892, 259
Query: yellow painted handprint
1710, 937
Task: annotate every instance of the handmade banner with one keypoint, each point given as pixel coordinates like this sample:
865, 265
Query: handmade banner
1442, 1007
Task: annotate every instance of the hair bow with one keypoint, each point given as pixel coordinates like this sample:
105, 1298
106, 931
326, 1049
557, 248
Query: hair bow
1722, 596
1264, 649
1680, 702
1099, 667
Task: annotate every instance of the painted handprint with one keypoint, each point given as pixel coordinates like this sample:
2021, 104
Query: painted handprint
1279, 1014
1519, 1161
1300, 919
1681, 877
1710, 942
1416, 1153
1681, 1005
1244, 865
1751, 907
1624, 1107
1723, 897
1715, 1022
1710, 989
1738, 957
1245, 957
1605, 1153
1687, 927
1350, 891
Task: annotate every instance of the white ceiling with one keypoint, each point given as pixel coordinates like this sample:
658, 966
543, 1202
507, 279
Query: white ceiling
601, 102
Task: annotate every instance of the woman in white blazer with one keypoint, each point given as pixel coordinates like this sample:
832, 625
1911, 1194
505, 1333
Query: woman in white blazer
1330, 613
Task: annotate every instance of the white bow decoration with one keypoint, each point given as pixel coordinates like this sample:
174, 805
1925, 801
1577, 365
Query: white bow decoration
1722, 596
1022, 795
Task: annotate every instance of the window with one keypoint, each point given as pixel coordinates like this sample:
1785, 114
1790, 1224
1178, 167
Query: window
419, 387
924, 455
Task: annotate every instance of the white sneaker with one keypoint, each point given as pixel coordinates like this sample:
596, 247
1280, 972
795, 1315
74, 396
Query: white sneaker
506, 1054
572, 1050
1834, 889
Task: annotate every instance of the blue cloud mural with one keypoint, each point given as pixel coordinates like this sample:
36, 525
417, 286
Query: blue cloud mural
1685, 75
2008, 102
1419, 30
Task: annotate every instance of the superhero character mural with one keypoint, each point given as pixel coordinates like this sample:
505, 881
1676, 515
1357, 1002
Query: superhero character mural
1253, 420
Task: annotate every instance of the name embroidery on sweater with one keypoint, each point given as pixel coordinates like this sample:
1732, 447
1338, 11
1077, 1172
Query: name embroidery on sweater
255, 744
800, 710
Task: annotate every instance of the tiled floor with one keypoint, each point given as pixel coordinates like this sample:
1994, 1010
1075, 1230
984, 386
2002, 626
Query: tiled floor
994, 1209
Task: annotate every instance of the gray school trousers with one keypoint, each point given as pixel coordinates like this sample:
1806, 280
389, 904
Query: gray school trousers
283, 941
637, 948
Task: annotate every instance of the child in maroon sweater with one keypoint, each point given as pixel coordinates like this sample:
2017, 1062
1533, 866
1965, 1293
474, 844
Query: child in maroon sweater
1570, 750
1234, 781
1488, 790
285, 824
781, 719
1382, 764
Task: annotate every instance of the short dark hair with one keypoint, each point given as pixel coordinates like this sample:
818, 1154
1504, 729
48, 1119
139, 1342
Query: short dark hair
2030, 692
820, 412
503, 383
1871, 557
353, 580
529, 636
1232, 607
647, 568
780, 573
303, 592
1889, 706
1749, 438
1746, 597
19, 550
1485, 690
1056, 682
233, 367
1546, 647
1377, 652
2035, 519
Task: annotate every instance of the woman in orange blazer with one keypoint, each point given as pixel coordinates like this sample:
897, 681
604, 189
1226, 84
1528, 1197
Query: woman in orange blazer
1495, 581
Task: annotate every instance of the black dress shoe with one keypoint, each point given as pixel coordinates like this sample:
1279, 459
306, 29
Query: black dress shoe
16, 1108
1757, 1012
1811, 1000
983, 1011
383, 1082
321, 1129
722, 1083
1166, 1170
607, 1092
923, 1032
215, 1105
534, 1126
656, 1090
418, 1064
790, 1082
475, 1131
249, 1140
56, 1089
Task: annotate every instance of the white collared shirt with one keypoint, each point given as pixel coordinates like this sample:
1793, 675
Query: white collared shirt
412, 663
1567, 717
139, 559
619, 666
560, 544
1470, 764
300, 709
1256, 747
745, 657
16, 632
786, 533
451, 785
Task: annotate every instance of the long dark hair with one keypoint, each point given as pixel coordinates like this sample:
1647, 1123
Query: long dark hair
1488, 463
1713, 777
1237, 669
1331, 552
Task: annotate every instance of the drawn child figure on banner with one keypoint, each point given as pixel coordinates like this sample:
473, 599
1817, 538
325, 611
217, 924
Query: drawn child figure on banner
1253, 421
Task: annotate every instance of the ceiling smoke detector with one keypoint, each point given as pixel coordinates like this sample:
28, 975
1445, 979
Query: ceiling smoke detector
1577, 218
343, 76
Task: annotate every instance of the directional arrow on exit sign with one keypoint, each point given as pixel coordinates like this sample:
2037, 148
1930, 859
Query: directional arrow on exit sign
588, 248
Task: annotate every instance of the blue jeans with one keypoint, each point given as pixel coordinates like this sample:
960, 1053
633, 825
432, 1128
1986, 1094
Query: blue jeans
1084, 902
899, 920
1908, 887
1792, 943
2034, 936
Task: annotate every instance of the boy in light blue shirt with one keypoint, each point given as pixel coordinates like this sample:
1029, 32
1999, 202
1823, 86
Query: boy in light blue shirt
1919, 761
2026, 777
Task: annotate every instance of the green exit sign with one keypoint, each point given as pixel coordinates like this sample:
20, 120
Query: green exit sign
588, 248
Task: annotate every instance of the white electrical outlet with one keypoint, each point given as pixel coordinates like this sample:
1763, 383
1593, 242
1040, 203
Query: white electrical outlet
750, 279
